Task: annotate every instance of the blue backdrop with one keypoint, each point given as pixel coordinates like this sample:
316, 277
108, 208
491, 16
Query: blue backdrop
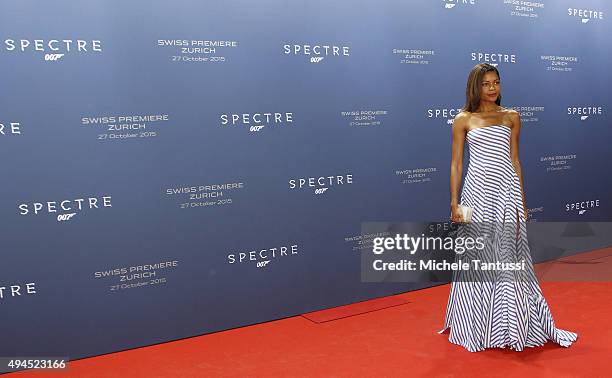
155, 155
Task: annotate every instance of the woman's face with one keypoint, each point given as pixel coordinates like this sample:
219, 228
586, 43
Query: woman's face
491, 86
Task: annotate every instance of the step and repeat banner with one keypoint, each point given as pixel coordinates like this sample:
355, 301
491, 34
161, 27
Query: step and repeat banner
172, 169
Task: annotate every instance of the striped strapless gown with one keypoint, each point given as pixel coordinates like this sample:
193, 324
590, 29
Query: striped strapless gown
503, 308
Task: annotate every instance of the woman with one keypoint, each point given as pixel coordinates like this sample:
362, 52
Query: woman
495, 308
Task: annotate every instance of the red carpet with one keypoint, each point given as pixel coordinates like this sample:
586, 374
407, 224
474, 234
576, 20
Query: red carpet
355, 309
397, 340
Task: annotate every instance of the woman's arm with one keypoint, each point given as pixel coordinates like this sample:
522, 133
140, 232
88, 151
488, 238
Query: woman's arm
456, 168
514, 153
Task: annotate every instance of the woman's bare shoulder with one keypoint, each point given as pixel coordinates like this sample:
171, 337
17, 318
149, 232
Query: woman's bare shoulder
462, 117
461, 122
511, 113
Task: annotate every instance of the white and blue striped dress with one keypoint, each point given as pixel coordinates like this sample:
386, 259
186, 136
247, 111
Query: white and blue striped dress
497, 309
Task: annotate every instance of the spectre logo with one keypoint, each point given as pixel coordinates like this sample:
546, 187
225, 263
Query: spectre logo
581, 207
320, 52
584, 14
493, 58
584, 111
262, 257
69, 208
320, 184
257, 121
53, 49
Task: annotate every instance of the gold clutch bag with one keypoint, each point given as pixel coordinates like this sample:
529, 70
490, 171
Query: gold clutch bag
466, 213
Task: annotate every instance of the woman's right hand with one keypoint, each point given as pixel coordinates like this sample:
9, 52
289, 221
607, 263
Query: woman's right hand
456, 216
